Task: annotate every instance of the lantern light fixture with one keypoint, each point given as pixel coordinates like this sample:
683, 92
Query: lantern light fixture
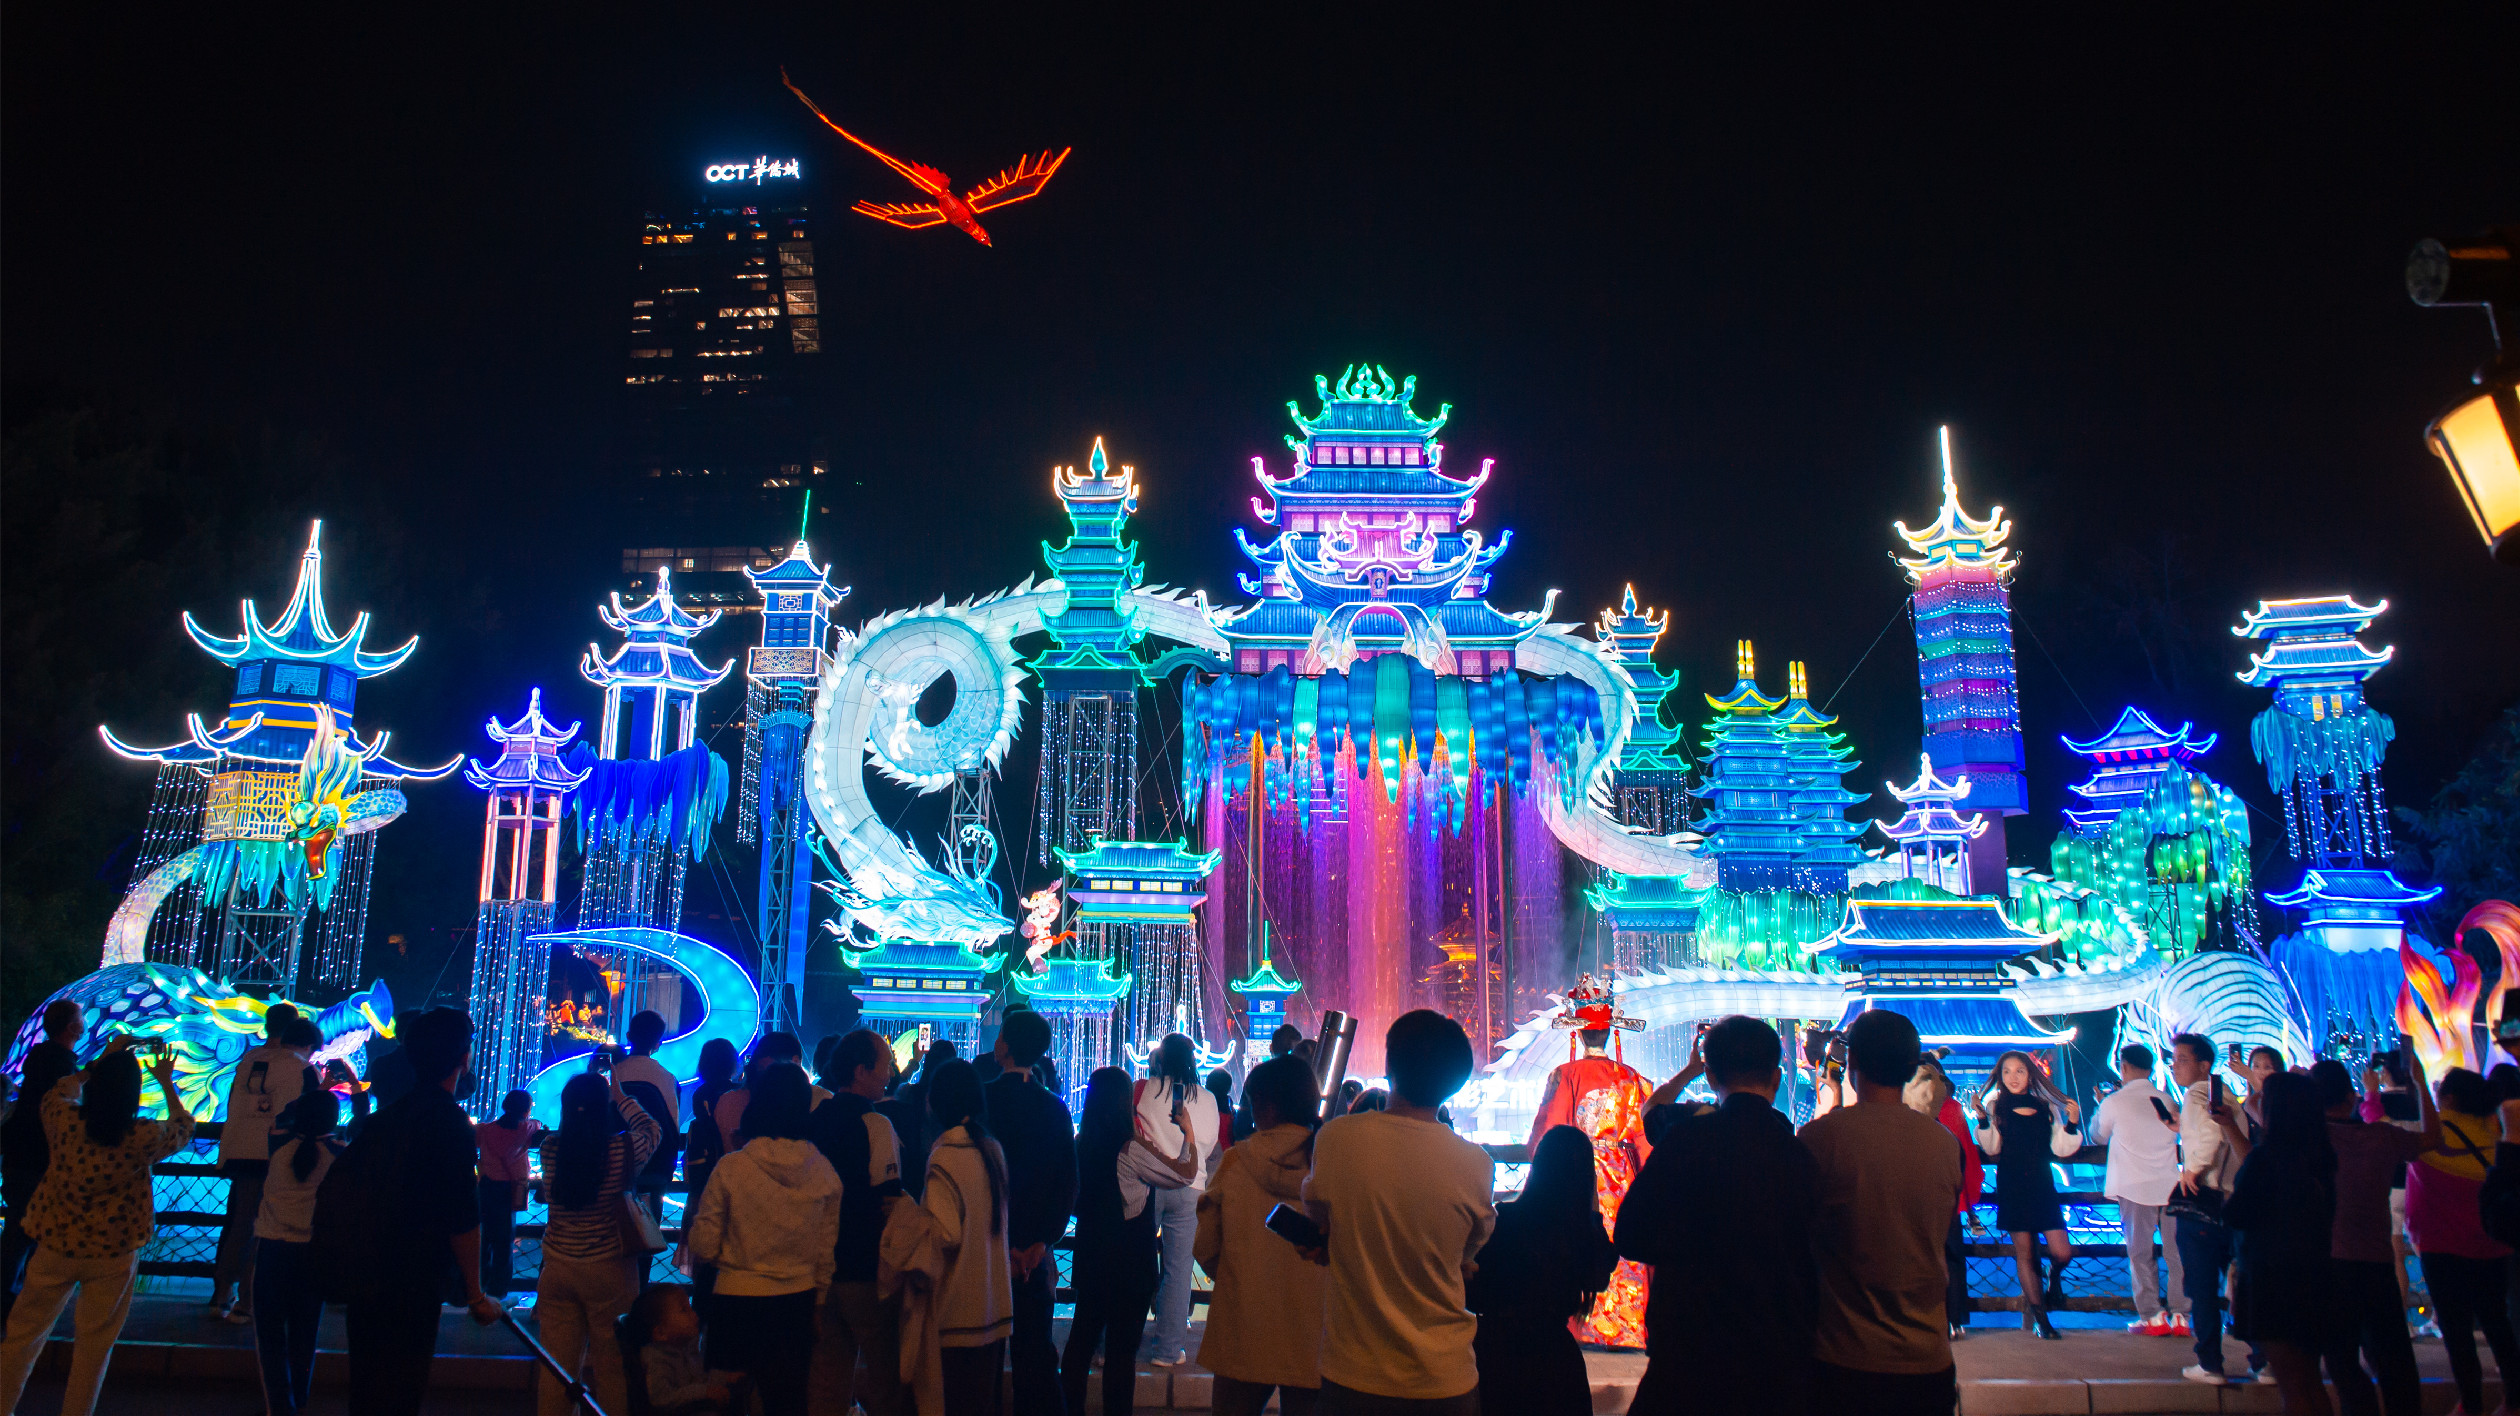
2478, 438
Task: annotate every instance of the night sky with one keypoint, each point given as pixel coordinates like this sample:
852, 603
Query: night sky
1703, 293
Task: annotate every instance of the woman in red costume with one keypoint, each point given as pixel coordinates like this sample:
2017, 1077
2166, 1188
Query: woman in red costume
1605, 1099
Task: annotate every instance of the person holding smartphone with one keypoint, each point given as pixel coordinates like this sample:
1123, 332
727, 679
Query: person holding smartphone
2204, 1242
91, 1215
2143, 1166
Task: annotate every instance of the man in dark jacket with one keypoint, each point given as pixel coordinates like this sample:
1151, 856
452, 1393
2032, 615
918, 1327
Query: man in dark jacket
852, 1316
24, 1153
418, 1155
1722, 1212
907, 1110
1034, 1129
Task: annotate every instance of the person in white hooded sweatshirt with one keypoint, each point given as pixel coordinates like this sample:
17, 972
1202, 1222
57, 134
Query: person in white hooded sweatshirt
769, 1220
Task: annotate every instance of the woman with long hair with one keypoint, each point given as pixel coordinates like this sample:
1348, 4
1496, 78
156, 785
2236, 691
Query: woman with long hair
1171, 1105
2463, 1265
288, 1308
1546, 1262
1264, 1316
966, 1202
2283, 1207
1113, 1274
2023, 1120
589, 1277
90, 1215
770, 1223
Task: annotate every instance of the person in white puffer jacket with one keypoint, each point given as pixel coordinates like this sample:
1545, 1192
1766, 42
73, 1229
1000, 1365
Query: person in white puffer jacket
770, 1221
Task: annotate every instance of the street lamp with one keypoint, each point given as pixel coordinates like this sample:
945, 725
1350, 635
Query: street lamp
2478, 438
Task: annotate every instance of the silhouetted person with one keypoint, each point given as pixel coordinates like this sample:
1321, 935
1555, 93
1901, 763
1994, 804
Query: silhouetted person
1888, 1180
1722, 1213
1543, 1266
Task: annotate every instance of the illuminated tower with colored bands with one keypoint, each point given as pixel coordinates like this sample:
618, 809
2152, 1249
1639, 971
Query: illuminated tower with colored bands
782, 678
1964, 662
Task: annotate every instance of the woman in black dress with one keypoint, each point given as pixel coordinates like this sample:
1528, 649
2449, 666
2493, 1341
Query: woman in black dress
2283, 1207
1546, 1262
2022, 1122
1113, 1272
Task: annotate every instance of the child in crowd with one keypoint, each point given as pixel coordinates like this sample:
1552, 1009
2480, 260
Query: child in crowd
667, 1332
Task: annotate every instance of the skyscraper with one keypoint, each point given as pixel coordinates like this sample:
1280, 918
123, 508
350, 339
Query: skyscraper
724, 330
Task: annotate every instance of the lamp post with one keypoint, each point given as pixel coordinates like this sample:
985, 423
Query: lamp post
2478, 438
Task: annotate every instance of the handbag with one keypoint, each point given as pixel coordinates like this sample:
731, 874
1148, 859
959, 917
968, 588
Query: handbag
640, 1233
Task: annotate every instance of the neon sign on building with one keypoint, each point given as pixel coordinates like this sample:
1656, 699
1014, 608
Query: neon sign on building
752, 171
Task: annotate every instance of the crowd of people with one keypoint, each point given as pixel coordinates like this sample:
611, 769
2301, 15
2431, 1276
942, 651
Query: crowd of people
855, 1236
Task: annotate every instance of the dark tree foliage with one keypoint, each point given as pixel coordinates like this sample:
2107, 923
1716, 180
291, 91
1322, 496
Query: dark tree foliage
2468, 836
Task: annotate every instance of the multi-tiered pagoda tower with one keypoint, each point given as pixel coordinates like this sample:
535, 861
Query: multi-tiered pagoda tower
225, 792
782, 679
1964, 662
652, 794
2321, 745
1368, 762
2127, 761
520, 893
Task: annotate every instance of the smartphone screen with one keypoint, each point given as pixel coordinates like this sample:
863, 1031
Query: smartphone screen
1294, 1226
2160, 1110
2215, 1082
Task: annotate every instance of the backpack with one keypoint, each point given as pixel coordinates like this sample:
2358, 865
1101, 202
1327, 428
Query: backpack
660, 1164
346, 1246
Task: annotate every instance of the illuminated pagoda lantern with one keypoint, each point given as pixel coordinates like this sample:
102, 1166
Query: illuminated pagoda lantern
1650, 787
1652, 921
1264, 993
1964, 661
1943, 964
652, 794
1931, 837
783, 676
520, 892
2322, 745
904, 985
223, 797
1748, 820
1137, 903
1825, 849
1767, 798
1369, 740
1089, 673
2128, 760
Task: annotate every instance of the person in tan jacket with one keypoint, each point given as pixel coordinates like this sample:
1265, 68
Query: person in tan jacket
1264, 1317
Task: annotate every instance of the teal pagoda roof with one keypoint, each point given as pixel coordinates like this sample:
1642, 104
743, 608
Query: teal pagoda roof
1631, 637
1929, 815
1092, 638
1647, 904
1140, 860
1085, 986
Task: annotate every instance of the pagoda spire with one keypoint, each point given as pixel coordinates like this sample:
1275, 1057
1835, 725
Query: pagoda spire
1964, 659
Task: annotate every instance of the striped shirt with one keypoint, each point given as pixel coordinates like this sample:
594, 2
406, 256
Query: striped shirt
592, 1234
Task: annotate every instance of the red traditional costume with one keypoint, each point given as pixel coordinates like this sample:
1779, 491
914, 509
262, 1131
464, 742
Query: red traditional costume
1605, 1099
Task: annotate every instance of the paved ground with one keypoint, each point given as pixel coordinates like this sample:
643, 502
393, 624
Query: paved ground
173, 1360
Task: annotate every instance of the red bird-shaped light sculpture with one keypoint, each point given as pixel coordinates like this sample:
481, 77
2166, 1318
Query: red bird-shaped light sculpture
1025, 179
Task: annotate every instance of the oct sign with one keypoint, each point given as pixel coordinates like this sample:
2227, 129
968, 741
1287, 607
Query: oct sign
753, 171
